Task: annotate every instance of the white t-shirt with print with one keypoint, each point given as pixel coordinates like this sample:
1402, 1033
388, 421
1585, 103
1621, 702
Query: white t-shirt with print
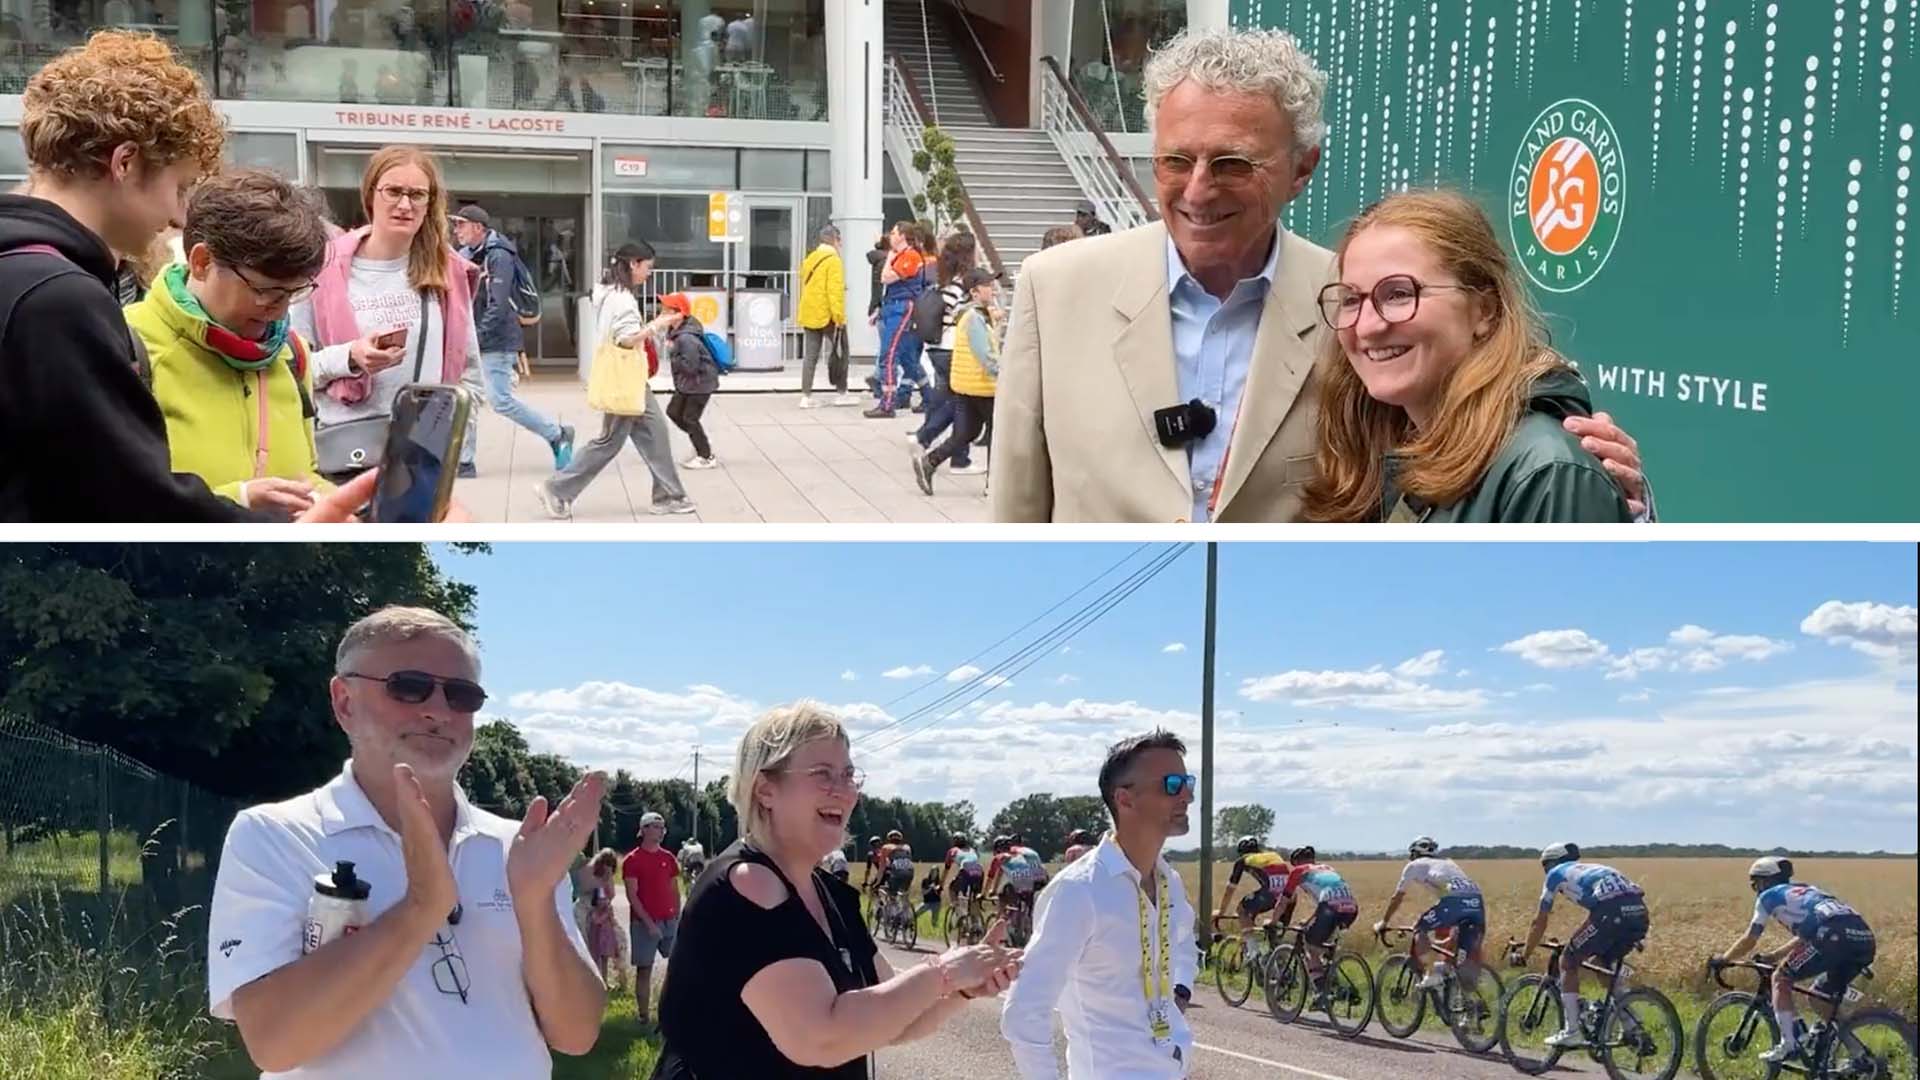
382, 299
260, 898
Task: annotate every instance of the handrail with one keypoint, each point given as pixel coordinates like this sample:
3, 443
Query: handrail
1068, 122
915, 126
961, 7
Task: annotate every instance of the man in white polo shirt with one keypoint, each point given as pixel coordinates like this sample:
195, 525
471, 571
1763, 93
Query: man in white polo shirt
468, 964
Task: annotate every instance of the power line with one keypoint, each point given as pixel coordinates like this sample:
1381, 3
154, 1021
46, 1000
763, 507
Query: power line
1064, 631
993, 677
939, 678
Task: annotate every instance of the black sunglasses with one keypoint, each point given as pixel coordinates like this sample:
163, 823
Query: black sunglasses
414, 687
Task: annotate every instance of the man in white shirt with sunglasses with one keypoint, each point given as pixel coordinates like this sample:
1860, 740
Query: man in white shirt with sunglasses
1113, 941
466, 961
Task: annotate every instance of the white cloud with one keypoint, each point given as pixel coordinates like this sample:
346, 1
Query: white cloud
1557, 649
1375, 689
1174, 647
697, 701
996, 681
1694, 649
1463, 673
1881, 631
1633, 663
1537, 688
849, 676
1064, 679
1425, 666
1637, 696
1131, 714
964, 672
905, 672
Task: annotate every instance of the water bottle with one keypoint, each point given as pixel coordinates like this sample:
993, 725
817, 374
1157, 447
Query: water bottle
337, 908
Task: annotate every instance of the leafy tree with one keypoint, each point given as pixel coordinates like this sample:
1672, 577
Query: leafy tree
208, 662
1233, 822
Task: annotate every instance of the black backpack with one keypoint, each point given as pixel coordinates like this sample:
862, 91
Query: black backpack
929, 316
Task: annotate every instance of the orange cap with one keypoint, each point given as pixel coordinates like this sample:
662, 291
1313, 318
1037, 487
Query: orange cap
678, 302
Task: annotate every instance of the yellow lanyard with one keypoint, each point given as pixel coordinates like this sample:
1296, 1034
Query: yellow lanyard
1147, 983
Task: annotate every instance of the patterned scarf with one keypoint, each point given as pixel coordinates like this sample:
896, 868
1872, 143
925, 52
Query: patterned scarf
240, 353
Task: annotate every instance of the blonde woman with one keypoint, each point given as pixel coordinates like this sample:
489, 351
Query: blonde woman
775, 974
1440, 396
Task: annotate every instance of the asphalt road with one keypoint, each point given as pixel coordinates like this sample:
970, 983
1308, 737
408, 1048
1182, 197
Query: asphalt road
1230, 1044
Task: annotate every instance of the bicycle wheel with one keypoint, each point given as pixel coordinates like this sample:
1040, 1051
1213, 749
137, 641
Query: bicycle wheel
1530, 1012
1473, 1010
910, 930
1876, 1043
1731, 1034
1350, 995
1402, 1004
1643, 1039
1286, 984
950, 927
1231, 974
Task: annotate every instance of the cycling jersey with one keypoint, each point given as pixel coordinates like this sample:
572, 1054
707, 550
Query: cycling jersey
836, 864
1443, 876
1075, 851
1802, 909
1588, 884
963, 860
1322, 884
1270, 868
897, 861
1022, 869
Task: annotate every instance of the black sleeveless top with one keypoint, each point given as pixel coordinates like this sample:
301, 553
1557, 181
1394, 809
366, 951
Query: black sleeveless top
725, 940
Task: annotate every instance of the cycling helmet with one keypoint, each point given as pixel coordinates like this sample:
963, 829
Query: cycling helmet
894, 837
1016, 838
1554, 854
1001, 843
1302, 855
1247, 845
1424, 847
874, 841
1769, 870
959, 841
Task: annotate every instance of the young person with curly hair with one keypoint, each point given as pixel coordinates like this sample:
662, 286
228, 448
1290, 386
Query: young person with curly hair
116, 133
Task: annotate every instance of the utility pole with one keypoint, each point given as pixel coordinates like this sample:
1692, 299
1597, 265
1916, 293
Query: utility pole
1204, 907
696, 796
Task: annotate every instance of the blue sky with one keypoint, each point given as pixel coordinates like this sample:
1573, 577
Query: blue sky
1488, 692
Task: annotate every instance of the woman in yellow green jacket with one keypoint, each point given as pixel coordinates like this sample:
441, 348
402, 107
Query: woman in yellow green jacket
231, 378
976, 366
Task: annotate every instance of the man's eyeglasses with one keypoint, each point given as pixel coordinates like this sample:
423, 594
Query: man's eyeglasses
450, 971
394, 193
1173, 168
1396, 298
1173, 784
272, 294
414, 687
827, 778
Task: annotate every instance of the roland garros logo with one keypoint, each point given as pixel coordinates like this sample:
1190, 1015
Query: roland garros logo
1567, 196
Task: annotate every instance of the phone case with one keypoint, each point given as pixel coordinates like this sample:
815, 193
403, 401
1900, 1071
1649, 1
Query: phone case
443, 420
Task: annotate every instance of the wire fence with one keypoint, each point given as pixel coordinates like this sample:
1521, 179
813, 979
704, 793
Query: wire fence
123, 852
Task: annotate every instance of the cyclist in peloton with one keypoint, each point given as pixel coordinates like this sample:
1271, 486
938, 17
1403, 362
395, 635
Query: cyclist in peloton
962, 874
1460, 906
1079, 842
1616, 922
1018, 846
1333, 906
1013, 874
1269, 870
870, 880
896, 860
1830, 940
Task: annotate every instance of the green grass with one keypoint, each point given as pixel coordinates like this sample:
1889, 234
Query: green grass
72, 865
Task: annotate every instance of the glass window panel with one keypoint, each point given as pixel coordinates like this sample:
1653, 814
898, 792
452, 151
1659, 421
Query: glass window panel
278, 151
364, 52
676, 226
771, 170
707, 167
13, 155
1111, 41
36, 32
819, 170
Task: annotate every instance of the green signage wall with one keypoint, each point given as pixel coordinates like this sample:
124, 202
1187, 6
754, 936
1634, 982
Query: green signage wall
1711, 197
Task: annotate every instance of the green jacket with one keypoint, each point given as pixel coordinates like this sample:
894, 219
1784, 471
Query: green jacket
1541, 474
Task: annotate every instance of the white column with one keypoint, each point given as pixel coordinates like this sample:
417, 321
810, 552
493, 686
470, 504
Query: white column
1207, 14
856, 94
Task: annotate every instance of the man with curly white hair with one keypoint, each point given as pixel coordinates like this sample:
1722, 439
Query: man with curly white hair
1165, 373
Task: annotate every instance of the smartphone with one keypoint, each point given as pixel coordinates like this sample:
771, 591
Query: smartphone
422, 455
392, 339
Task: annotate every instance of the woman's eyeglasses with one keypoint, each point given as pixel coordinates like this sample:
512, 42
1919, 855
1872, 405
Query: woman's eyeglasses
1396, 299
394, 193
414, 687
1173, 168
272, 294
828, 779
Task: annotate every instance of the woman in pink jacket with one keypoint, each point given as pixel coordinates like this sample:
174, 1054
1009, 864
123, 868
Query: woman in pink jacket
394, 306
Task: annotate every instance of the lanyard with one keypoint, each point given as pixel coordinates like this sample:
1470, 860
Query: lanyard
1147, 983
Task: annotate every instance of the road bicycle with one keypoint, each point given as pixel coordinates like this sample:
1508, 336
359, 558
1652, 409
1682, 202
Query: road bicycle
1236, 971
896, 920
1470, 1010
1633, 1033
1737, 1026
965, 923
1019, 915
1344, 991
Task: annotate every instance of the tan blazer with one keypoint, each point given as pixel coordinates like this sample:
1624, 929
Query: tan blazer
1089, 359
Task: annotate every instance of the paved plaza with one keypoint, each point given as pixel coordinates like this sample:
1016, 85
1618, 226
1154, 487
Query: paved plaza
778, 462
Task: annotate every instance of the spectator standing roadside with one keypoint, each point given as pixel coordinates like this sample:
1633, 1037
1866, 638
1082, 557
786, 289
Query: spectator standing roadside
652, 877
603, 931
497, 323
